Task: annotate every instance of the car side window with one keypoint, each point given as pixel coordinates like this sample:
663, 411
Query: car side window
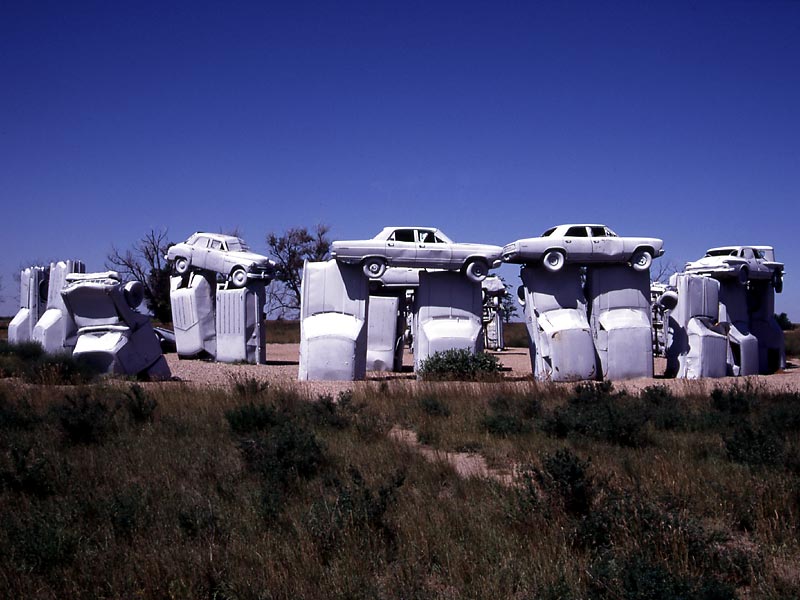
428, 237
576, 232
201, 242
599, 232
403, 235
438, 240
747, 253
216, 245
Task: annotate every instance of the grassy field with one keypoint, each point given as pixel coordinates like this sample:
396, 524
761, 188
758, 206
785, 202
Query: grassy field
250, 491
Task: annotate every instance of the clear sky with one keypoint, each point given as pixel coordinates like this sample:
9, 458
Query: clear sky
491, 120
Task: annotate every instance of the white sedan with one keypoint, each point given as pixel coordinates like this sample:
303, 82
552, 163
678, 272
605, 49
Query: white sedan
582, 244
742, 262
225, 254
421, 247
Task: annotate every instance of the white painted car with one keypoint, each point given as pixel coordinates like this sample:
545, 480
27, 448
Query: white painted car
742, 262
421, 247
224, 254
583, 243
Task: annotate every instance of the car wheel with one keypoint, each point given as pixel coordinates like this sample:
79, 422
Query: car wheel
553, 260
476, 270
239, 277
641, 260
743, 275
521, 295
777, 282
374, 267
181, 265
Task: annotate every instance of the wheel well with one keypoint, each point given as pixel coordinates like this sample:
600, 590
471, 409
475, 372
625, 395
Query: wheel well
556, 249
646, 248
242, 267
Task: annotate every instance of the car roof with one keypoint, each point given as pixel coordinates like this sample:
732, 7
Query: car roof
727, 248
578, 225
217, 236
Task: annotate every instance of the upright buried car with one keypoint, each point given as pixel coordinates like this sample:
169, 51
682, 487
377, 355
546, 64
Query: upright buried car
583, 244
421, 247
224, 254
742, 262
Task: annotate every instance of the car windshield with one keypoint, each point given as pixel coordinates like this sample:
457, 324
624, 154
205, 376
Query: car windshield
238, 245
723, 252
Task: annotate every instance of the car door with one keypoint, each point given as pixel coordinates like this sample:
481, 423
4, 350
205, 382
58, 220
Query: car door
754, 262
199, 256
433, 250
215, 260
578, 243
604, 245
401, 248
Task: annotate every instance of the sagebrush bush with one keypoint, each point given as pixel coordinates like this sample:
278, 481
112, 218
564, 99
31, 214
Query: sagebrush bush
594, 411
16, 411
86, 419
566, 475
433, 406
459, 364
28, 361
140, 405
754, 446
285, 452
252, 417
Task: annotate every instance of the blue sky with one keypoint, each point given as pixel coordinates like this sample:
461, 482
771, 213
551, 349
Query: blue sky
490, 120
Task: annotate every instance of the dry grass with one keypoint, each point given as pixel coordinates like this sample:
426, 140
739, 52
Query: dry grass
250, 491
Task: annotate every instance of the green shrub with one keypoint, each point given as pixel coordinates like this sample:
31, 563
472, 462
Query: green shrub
41, 540
504, 424
252, 417
637, 578
85, 419
593, 411
29, 472
567, 475
140, 405
25, 351
249, 387
16, 413
662, 408
286, 452
754, 446
433, 406
356, 510
459, 364
736, 400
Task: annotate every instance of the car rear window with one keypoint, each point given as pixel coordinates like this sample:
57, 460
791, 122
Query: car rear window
548, 232
577, 232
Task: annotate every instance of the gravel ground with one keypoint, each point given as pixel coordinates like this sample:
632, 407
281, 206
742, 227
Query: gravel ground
282, 368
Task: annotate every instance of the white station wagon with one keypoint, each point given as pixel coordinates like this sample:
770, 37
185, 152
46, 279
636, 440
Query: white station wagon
581, 244
225, 254
742, 262
421, 247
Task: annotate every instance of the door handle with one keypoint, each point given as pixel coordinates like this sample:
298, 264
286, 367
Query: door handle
390, 244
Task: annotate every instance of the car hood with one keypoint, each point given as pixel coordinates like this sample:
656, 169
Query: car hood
714, 261
259, 259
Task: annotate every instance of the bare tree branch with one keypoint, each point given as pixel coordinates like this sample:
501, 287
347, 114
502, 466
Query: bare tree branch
289, 251
145, 262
